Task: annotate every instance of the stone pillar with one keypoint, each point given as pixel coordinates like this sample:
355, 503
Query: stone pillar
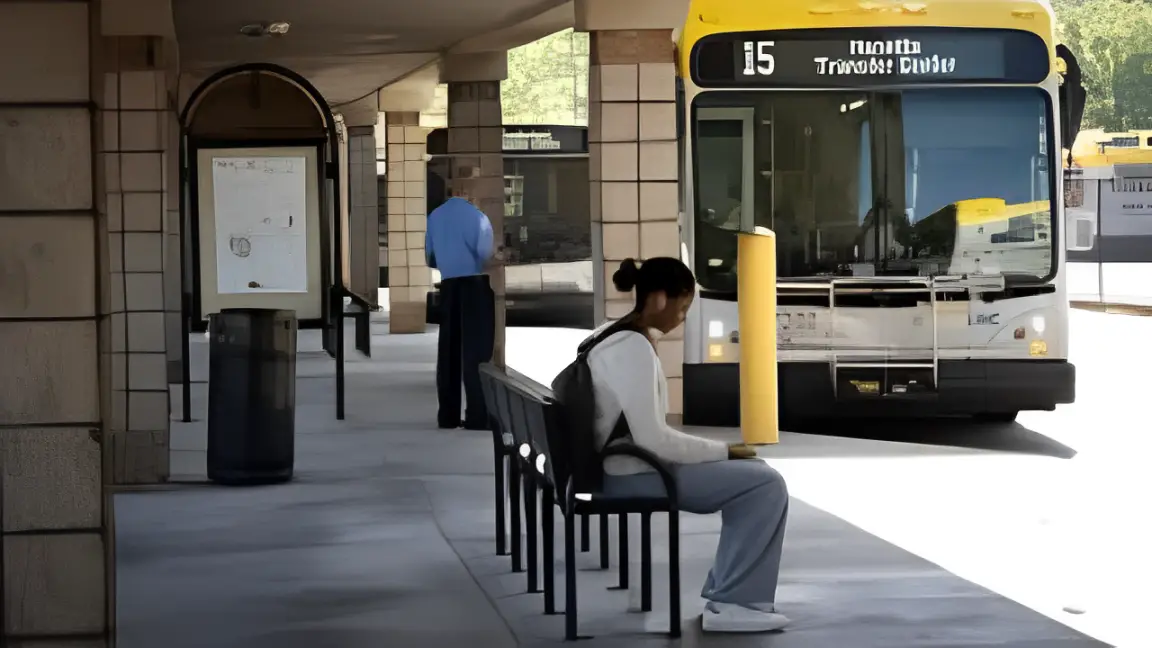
409, 278
54, 537
476, 147
634, 170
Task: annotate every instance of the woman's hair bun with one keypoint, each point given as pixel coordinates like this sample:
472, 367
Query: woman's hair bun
625, 277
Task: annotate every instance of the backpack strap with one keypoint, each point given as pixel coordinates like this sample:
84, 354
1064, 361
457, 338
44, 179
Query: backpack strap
621, 430
625, 324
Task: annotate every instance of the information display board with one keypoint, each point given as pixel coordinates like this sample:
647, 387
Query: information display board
261, 225
868, 57
259, 232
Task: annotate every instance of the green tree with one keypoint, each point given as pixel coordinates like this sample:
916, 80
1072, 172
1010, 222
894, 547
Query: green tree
1112, 39
548, 81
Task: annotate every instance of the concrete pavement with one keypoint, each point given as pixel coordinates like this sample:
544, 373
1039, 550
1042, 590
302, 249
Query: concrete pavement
1047, 511
384, 539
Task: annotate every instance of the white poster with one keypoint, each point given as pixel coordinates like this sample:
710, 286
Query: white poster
261, 221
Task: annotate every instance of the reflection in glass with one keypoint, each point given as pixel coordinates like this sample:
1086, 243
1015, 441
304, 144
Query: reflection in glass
914, 183
547, 210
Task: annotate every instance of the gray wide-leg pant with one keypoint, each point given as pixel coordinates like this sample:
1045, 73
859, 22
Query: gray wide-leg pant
752, 499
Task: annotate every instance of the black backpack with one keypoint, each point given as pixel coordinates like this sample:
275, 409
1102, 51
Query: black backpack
575, 454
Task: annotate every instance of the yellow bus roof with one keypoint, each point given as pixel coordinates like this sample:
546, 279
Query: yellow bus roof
1112, 157
1086, 152
981, 211
706, 17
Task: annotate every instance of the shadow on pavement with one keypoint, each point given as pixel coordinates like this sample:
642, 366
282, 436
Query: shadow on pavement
959, 434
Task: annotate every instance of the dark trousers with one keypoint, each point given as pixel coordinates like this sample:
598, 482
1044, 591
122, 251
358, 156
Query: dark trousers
467, 338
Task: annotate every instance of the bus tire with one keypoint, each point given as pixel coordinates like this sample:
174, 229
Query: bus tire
996, 417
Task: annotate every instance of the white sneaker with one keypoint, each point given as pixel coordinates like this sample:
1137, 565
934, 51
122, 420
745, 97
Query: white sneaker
728, 617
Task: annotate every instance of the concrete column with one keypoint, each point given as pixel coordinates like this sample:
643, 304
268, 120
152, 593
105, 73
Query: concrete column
53, 297
476, 147
409, 278
634, 171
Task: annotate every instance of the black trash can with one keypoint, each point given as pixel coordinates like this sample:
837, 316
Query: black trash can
251, 396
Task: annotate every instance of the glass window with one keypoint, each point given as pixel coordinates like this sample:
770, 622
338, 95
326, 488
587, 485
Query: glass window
513, 192
549, 207
913, 183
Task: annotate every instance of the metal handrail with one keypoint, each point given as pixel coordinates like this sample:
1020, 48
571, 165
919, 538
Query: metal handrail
929, 283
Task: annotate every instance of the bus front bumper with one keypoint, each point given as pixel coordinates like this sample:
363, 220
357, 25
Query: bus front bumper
966, 387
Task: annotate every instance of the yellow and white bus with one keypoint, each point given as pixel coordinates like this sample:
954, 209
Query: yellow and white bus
906, 157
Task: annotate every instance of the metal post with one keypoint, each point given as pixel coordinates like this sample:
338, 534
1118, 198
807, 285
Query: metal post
186, 361
338, 319
185, 296
759, 406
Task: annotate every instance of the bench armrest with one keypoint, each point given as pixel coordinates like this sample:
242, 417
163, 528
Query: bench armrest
654, 462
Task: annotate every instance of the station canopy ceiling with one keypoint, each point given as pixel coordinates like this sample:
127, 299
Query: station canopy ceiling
350, 48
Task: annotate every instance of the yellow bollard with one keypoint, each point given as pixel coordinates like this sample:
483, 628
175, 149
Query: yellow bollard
759, 397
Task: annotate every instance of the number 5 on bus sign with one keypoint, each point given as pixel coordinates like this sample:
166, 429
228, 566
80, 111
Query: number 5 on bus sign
757, 58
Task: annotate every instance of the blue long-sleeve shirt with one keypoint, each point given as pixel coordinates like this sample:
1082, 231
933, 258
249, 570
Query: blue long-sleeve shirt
459, 239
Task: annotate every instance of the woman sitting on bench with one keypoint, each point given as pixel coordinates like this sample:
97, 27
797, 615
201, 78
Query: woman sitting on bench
711, 476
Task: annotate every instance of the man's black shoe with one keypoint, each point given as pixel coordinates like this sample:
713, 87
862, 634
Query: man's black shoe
448, 425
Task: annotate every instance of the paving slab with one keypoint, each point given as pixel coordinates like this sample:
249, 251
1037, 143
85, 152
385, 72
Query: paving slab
385, 538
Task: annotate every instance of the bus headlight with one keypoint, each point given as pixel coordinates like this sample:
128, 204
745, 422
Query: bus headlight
1039, 324
715, 329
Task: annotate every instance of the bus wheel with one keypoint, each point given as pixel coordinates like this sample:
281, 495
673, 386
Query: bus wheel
996, 417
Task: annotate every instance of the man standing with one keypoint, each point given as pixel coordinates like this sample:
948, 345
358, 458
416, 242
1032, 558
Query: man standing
459, 243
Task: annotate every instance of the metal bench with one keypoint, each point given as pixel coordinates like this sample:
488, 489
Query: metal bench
529, 421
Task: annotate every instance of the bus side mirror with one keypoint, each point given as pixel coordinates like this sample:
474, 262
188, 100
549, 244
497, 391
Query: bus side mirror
1080, 230
1073, 97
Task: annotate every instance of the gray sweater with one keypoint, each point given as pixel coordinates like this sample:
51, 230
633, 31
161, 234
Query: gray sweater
628, 379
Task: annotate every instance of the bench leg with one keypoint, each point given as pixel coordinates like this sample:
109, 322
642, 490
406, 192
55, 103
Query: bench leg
570, 619
646, 562
603, 526
501, 502
514, 487
622, 551
548, 522
585, 534
532, 522
674, 574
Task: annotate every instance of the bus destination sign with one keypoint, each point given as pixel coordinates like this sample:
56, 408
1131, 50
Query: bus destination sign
869, 57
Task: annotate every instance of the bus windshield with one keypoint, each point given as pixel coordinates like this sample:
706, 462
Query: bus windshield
919, 182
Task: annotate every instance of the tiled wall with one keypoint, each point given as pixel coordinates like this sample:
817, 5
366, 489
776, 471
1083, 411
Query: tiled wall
409, 277
134, 121
476, 150
634, 169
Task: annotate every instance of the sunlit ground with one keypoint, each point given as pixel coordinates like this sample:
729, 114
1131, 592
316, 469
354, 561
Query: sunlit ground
1050, 512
